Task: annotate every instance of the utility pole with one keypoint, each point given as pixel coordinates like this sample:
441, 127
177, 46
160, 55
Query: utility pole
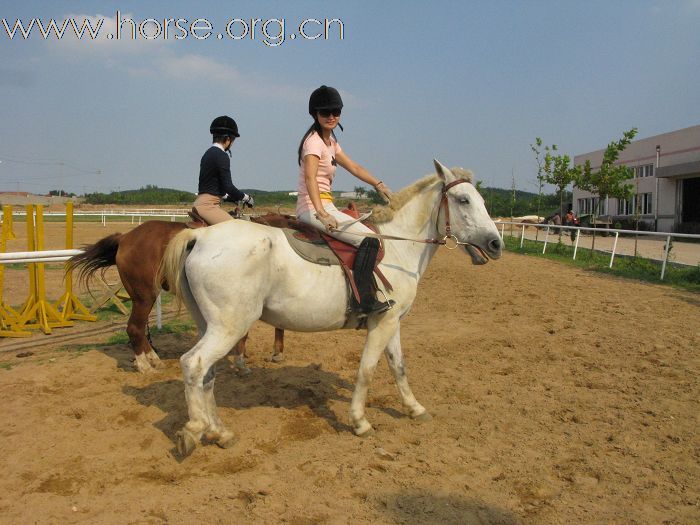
656, 193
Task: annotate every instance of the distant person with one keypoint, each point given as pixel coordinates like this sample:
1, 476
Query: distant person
571, 220
318, 155
554, 219
215, 182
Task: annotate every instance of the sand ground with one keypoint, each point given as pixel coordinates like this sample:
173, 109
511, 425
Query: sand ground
559, 396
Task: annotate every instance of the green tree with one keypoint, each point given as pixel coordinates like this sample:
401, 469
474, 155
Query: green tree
360, 191
558, 172
541, 151
609, 179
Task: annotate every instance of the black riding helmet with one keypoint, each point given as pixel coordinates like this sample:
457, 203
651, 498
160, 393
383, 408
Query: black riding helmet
324, 97
224, 126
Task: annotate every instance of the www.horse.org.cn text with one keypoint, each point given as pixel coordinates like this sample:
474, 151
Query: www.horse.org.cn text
270, 31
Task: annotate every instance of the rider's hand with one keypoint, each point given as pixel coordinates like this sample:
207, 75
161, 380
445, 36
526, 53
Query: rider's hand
384, 191
248, 200
328, 221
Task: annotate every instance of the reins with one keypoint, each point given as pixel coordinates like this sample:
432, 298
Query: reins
449, 240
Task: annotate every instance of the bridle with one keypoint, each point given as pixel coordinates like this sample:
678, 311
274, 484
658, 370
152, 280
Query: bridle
449, 240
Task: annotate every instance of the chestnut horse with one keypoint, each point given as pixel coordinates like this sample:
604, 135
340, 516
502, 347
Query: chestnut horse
137, 256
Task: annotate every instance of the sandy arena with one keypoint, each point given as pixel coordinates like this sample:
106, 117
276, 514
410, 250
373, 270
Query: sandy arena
558, 395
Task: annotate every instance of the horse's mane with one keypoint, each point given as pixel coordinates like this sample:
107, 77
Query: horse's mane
384, 213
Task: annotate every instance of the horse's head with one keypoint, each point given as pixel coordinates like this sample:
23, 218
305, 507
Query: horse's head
469, 221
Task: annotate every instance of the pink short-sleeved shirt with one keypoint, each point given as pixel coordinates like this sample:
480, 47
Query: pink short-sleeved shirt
314, 145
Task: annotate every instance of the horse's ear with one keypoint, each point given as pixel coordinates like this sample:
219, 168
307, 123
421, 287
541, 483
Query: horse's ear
441, 170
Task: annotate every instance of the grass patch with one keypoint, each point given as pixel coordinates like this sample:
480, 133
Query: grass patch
685, 277
120, 338
5, 366
176, 327
109, 313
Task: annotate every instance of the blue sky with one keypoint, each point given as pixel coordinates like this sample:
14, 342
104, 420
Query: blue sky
469, 83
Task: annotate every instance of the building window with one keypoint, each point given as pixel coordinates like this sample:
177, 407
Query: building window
583, 206
646, 203
644, 171
625, 207
599, 206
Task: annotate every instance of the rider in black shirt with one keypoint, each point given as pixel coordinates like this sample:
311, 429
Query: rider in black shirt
215, 181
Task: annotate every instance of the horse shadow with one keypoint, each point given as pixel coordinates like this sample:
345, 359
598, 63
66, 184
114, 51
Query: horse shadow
287, 387
275, 386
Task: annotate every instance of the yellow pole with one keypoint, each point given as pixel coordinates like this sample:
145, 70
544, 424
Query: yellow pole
70, 306
8, 316
30, 248
38, 313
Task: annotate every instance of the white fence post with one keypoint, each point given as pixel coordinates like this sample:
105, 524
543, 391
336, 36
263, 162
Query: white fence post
612, 257
522, 236
502, 228
668, 247
546, 238
159, 313
578, 236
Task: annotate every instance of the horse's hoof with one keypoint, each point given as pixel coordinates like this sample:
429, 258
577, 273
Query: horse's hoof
243, 371
277, 358
226, 441
144, 369
156, 363
364, 430
366, 433
185, 443
142, 365
423, 418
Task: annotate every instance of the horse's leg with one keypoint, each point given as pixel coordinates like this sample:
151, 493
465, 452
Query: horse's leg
145, 358
278, 347
240, 355
378, 336
394, 357
199, 374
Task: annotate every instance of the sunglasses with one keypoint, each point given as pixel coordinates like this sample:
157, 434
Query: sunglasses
325, 113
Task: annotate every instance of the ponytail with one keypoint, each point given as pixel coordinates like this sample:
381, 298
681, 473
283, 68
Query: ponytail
316, 126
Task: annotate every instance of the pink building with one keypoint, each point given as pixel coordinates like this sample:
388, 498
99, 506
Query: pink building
666, 183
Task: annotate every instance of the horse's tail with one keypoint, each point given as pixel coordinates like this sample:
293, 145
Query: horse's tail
171, 267
98, 256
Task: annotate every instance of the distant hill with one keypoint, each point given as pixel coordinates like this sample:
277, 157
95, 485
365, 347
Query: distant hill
147, 195
498, 201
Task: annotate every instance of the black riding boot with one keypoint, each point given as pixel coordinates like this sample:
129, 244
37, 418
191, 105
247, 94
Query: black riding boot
362, 271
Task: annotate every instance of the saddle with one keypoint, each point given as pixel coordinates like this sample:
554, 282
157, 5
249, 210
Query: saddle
320, 248
197, 220
313, 245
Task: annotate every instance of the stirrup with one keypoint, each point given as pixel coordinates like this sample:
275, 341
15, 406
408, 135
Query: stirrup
376, 306
379, 307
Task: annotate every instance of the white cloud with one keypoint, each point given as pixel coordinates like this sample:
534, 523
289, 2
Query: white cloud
107, 39
163, 59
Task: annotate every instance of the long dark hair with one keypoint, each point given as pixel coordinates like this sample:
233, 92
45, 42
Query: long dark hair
316, 126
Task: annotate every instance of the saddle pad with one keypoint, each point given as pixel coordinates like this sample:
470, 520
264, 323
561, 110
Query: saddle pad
315, 252
313, 245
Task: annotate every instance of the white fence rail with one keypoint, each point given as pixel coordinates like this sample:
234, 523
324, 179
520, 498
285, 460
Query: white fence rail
58, 256
133, 213
549, 228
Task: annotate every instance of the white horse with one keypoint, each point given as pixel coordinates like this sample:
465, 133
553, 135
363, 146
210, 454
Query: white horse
237, 272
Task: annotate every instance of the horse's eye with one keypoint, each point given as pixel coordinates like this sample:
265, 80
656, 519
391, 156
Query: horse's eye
464, 200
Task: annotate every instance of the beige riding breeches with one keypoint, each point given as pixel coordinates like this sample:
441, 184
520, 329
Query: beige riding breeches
209, 207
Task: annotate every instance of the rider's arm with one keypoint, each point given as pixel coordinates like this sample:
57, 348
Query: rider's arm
357, 170
310, 171
223, 164
362, 173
